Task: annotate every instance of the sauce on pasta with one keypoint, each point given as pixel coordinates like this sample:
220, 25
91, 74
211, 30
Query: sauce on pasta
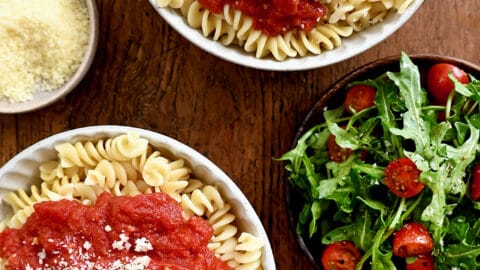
274, 17
140, 232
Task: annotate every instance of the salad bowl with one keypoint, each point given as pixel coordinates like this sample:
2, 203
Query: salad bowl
334, 96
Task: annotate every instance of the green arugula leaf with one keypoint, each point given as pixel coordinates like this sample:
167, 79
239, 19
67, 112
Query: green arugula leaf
461, 256
339, 234
364, 235
385, 99
408, 82
461, 157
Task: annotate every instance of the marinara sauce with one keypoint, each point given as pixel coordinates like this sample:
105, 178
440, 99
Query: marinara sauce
140, 232
274, 17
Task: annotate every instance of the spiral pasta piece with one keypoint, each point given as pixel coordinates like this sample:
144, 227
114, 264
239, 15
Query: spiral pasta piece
131, 188
19, 200
386, 3
402, 5
226, 251
20, 217
178, 170
22, 200
68, 155
72, 174
107, 173
3, 226
170, 3
156, 170
63, 187
128, 146
48, 171
87, 194
173, 188
249, 252
203, 201
22, 203
139, 162
223, 241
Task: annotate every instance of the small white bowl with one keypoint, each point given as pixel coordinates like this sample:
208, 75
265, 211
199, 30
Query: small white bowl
351, 46
23, 170
42, 98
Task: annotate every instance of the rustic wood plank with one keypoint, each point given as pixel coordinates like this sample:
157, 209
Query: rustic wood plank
147, 75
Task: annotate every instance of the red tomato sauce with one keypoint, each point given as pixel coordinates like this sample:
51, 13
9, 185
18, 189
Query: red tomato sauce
274, 17
144, 232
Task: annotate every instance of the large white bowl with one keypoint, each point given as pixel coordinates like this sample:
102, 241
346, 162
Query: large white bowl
351, 46
21, 170
43, 98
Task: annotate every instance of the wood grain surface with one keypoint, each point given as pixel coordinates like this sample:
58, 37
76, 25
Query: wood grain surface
147, 75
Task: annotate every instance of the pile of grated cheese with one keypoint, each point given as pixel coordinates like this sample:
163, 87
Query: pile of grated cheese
42, 44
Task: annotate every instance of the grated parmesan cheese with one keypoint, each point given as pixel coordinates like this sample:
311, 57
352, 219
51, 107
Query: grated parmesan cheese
43, 43
122, 243
143, 245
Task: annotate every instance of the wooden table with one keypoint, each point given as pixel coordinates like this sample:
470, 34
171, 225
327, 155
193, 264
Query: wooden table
146, 75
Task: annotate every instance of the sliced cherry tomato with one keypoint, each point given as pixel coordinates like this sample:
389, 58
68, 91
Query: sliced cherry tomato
412, 240
422, 262
339, 154
341, 255
359, 97
475, 183
401, 178
336, 152
439, 84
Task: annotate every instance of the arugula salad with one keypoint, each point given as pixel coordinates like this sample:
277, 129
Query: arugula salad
390, 178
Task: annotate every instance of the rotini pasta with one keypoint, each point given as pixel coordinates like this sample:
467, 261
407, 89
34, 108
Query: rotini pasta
125, 165
342, 19
202, 201
3, 226
248, 252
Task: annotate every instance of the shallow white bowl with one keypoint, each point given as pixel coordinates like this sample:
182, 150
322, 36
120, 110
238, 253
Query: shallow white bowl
42, 98
351, 46
22, 170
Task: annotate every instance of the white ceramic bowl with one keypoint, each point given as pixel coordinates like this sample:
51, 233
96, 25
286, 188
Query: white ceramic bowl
42, 98
22, 169
351, 46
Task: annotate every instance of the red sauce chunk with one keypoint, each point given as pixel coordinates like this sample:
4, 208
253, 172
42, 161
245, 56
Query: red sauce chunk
140, 232
274, 17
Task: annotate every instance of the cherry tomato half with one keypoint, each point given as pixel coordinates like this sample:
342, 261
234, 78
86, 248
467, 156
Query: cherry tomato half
412, 240
359, 97
439, 84
401, 178
475, 184
336, 152
422, 262
341, 255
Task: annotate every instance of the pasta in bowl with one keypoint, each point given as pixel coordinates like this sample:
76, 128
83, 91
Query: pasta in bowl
88, 165
339, 30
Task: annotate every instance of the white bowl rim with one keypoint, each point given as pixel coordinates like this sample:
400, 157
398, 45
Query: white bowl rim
153, 137
351, 46
42, 99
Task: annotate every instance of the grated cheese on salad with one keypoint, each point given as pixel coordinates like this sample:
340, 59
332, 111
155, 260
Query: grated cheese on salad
43, 43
